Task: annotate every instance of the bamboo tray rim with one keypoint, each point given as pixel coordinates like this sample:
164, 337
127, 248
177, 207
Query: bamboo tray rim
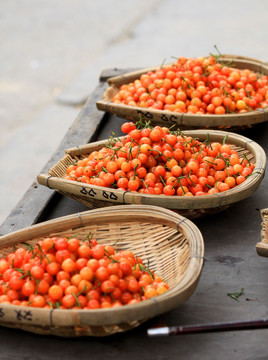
107, 105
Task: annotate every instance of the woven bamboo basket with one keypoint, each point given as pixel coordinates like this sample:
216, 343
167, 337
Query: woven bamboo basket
262, 246
173, 245
191, 207
185, 121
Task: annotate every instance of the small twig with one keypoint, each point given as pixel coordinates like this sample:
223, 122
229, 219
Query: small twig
236, 295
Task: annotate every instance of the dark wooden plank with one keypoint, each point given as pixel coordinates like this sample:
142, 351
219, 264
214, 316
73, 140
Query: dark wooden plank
37, 197
231, 263
108, 73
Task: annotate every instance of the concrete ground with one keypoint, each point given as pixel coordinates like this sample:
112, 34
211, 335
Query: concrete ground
52, 53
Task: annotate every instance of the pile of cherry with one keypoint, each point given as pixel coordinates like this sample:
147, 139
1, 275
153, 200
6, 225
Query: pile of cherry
67, 273
156, 160
197, 86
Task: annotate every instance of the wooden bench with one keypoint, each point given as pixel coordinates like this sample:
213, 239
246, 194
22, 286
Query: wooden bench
231, 264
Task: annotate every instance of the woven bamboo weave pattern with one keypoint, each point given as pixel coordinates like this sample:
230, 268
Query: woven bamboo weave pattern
171, 245
262, 246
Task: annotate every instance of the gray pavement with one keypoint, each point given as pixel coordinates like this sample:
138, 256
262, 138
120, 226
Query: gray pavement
52, 53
